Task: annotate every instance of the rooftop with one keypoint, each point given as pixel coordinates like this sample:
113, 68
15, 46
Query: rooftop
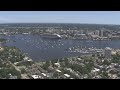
108, 48
58, 70
35, 76
67, 75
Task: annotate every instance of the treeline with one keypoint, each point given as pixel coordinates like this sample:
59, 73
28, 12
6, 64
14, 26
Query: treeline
65, 26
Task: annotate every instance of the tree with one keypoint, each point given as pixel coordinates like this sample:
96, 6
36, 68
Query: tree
23, 71
105, 75
106, 62
66, 62
93, 55
55, 74
98, 55
46, 65
89, 67
4, 73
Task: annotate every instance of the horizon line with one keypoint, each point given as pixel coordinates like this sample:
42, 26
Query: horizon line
54, 23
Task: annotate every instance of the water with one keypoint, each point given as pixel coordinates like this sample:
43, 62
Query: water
45, 49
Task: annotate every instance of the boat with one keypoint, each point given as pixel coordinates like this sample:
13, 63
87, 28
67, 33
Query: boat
14, 40
51, 36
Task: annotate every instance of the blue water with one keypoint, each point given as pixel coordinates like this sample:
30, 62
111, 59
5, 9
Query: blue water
46, 49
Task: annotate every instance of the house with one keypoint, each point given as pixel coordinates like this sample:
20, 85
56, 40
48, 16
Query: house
66, 75
36, 76
12, 77
58, 71
57, 64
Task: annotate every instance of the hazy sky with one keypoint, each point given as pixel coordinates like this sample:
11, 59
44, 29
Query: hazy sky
98, 17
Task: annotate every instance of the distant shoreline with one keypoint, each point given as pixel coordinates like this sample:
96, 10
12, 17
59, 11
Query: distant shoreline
57, 23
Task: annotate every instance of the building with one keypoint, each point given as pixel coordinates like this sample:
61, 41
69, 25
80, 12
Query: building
87, 32
81, 31
118, 33
107, 53
96, 32
101, 33
12, 77
80, 36
115, 37
36, 77
107, 33
52, 36
95, 37
90, 33
67, 75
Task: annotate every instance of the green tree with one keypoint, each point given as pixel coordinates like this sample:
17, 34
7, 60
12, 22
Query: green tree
46, 65
93, 55
23, 71
106, 62
105, 75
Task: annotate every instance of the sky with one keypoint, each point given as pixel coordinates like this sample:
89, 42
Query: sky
91, 17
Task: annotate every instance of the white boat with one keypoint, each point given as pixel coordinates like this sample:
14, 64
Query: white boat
51, 36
